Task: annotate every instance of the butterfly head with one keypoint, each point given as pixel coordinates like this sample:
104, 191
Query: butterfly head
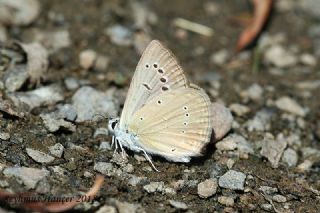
113, 123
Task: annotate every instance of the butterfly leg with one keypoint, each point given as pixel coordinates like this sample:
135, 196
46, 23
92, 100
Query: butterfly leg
149, 159
123, 153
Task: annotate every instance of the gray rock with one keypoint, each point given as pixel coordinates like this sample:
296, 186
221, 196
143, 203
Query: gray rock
239, 109
221, 120
207, 188
290, 157
71, 83
89, 102
232, 180
273, 149
154, 187
28, 176
104, 168
39, 156
220, 57
178, 204
67, 111
261, 121
267, 190
279, 198
226, 201
235, 141
104, 145
53, 123
308, 59
4, 136
119, 35
87, 59
267, 207
47, 95
308, 85
280, 57
135, 180
287, 104
311, 7
56, 150
101, 131
107, 209
254, 92
124, 207
15, 77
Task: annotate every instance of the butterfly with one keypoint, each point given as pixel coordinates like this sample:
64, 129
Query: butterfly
163, 113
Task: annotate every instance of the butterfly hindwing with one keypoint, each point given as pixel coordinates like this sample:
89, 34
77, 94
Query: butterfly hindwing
176, 124
156, 72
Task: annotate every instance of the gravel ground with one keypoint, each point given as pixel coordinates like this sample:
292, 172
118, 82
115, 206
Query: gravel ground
64, 62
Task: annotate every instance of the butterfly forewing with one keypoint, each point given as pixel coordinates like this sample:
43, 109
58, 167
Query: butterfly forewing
157, 71
176, 124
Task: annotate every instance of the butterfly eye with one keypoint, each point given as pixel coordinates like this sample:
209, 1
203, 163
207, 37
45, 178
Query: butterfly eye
160, 71
155, 65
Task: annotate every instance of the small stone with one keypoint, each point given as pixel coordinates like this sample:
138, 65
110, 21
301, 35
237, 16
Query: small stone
311, 7
107, 209
232, 180
254, 92
128, 168
71, 83
308, 59
235, 141
308, 85
207, 188
154, 187
28, 176
305, 166
4, 136
39, 156
125, 207
239, 109
178, 204
226, 145
87, 59
104, 168
279, 198
267, 206
53, 123
3, 184
89, 102
169, 191
56, 150
120, 35
221, 120
42, 96
15, 77
87, 174
273, 149
290, 157
268, 190
261, 121
135, 180
227, 201
101, 131
105, 146
280, 57
67, 112
220, 57
102, 63
287, 104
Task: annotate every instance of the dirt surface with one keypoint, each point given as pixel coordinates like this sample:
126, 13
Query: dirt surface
86, 21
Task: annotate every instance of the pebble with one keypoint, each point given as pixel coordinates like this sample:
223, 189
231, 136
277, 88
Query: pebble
3, 184
239, 109
125, 207
104, 145
4, 136
104, 168
119, 35
273, 149
89, 102
267, 206
261, 121
279, 198
53, 123
135, 180
207, 188
102, 63
154, 187
178, 204
67, 112
220, 57
305, 165
217, 170
232, 180
235, 141
289, 105
39, 156
101, 131
290, 157
268, 190
107, 209
3, 34
312, 7
52, 40
71, 83
15, 77
47, 95
28, 176
227, 201
87, 59
254, 92
87, 174
280, 57
221, 120
56, 150
308, 59
308, 85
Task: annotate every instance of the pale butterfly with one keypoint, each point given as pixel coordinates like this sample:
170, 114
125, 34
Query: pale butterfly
163, 113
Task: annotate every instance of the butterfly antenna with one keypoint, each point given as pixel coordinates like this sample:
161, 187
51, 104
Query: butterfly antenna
149, 159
